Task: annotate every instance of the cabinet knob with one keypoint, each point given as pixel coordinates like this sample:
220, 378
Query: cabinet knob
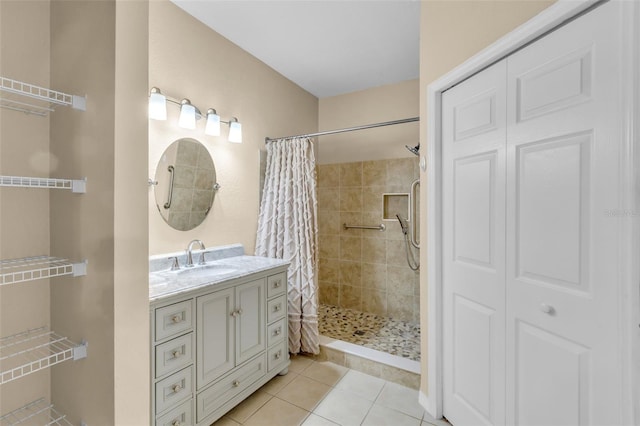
240, 311
276, 284
278, 355
547, 309
177, 354
176, 319
234, 313
236, 383
276, 308
176, 423
277, 331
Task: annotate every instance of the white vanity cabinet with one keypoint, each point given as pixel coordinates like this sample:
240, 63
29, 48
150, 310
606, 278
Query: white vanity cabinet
215, 345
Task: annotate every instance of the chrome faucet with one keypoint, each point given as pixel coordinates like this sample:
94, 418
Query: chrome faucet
190, 257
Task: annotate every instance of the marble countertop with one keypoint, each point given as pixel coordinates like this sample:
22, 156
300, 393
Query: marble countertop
165, 283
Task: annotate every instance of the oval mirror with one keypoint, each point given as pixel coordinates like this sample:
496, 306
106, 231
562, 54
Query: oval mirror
186, 184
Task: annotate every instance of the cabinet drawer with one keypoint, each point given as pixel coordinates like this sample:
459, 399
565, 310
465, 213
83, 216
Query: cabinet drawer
276, 332
173, 355
277, 355
214, 397
174, 389
276, 308
179, 416
174, 319
276, 284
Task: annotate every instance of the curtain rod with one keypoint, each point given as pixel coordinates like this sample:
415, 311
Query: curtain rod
350, 129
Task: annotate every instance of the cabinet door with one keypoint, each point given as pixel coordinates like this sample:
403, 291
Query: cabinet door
215, 339
250, 320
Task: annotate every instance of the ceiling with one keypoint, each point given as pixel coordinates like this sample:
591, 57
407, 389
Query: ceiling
327, 47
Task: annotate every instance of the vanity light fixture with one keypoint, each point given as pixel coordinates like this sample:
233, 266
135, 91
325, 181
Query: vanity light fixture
213, 123
235, 130
187, 118
189, 113
157, 105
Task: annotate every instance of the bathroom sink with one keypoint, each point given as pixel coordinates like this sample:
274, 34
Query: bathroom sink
206, 271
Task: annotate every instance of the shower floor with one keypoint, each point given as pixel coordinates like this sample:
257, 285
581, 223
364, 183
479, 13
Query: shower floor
400, 338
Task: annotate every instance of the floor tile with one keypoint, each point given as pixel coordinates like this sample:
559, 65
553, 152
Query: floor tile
325, 372
304, 392
382, 416
225, 421
361, 384
315, 420
246, 408
276, 384
344, 408
299, 363
400, 398
277, 412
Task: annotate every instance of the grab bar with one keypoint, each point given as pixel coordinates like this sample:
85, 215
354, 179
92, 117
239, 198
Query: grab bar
172, 173
380, 227
412, 214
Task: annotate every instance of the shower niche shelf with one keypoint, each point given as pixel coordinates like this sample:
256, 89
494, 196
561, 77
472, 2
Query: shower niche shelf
75, 185
14, 271
31, 99
34, 350
38, 412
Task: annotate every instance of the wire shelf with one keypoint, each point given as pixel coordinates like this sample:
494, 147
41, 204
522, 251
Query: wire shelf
42, 100
38, 267
38, 413
34, 350
75, 185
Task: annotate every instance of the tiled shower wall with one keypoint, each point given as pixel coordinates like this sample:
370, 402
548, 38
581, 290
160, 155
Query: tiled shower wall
365, 270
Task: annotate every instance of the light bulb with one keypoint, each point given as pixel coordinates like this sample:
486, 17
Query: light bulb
235, 131
157, 105
187, 118
213, 123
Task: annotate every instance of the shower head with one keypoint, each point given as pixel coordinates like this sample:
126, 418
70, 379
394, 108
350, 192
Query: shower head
414, 149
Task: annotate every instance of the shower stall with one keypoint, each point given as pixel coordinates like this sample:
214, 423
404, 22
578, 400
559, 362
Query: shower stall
369, 294
368, 272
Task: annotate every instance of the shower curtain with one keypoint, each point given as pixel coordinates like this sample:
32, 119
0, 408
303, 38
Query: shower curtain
287, 229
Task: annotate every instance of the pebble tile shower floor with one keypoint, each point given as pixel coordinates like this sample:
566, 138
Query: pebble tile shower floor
384, 334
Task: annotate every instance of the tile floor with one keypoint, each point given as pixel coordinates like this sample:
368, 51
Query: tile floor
395, 337
316, 393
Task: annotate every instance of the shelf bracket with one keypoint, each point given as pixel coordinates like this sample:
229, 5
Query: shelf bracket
80, 268
79, 186
80, 351
79, 102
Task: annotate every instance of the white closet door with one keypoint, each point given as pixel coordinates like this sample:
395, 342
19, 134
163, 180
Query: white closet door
562, 176
474, 146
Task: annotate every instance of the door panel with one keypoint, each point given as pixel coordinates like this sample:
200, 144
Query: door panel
473, 323
215, 338
552, 210
250, 300
562, 279
473, 229
553, 373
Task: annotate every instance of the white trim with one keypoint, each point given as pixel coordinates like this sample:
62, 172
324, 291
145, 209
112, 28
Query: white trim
371, 354
549, 19
629, 259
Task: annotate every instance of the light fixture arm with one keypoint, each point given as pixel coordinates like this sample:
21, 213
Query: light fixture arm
213, 119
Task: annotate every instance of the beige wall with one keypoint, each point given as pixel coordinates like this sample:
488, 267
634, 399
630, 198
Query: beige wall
24, 213
131, 221
375, 105
71, 46
452, 31
189, 60
366, 270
